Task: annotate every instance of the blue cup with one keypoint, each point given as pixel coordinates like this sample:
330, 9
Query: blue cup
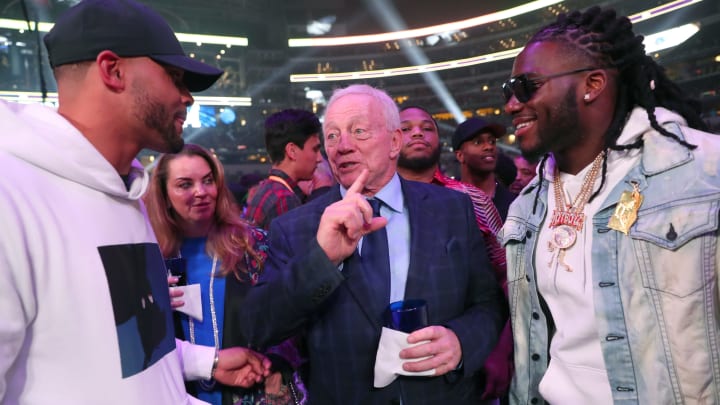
407, 315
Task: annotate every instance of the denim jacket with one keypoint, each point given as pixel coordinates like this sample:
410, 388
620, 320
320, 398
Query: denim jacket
657, 302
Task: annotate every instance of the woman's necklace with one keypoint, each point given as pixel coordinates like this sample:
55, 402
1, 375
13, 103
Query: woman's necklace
208, 385
567, 219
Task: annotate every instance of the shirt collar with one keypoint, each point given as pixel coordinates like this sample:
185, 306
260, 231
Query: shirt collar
292, 183
391, 194
439, 178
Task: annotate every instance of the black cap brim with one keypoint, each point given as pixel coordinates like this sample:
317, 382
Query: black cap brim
198, 75
472, 127
495, 129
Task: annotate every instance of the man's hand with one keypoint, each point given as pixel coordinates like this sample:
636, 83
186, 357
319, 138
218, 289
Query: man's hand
346, 221
273, 383
499, 366
242, 367
441, 344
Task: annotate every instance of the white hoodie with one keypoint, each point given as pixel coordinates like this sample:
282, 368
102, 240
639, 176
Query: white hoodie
69, 226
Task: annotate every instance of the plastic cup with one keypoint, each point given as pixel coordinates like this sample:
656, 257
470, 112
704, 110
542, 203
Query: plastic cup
407, 315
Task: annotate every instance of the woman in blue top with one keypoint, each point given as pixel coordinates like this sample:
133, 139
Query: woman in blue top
195, 218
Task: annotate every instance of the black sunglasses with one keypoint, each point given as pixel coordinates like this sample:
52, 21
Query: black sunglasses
524, 87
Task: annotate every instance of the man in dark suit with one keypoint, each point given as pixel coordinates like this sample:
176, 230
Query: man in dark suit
318, 280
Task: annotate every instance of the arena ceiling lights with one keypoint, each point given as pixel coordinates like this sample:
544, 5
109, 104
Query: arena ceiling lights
36, 97
405, 70
476, 60
669, 38
422, 32
223, 101
21, 25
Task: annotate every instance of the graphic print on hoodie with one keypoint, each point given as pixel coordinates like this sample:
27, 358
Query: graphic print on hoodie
140, 299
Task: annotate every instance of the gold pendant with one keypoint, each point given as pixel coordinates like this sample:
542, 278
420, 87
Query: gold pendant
626, 211
564, 236
565, 226
573, 219
558, 253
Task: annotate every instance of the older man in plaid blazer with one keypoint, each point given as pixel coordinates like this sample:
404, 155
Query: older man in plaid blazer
317, 279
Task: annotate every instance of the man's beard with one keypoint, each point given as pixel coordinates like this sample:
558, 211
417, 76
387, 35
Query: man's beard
155, 117
419, 164
560, 130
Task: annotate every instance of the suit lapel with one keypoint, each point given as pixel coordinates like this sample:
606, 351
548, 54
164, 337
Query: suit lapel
421, 216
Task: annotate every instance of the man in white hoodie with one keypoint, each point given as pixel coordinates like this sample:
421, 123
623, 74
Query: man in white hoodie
83, 293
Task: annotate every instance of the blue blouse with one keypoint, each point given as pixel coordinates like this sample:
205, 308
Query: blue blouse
199, 267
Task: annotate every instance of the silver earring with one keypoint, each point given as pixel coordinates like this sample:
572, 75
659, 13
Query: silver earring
586, 97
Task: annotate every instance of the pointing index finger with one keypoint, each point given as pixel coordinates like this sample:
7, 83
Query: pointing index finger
359, 184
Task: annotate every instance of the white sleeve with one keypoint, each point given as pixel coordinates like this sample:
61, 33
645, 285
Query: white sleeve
18, 303
196, 360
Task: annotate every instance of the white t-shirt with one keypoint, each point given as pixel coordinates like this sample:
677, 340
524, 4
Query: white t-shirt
576, 373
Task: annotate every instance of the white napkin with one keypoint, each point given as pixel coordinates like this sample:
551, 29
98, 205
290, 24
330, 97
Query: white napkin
193, 303
388, 364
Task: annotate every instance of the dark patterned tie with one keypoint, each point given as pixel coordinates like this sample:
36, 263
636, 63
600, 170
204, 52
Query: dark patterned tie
375, 256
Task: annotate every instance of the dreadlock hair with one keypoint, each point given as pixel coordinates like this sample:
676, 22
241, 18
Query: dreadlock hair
608, 40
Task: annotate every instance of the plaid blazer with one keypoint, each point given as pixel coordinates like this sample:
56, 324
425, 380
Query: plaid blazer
341, 311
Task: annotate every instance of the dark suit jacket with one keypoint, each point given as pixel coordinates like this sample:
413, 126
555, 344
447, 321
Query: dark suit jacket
342, 311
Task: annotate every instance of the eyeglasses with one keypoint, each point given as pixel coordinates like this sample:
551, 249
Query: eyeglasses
524, 87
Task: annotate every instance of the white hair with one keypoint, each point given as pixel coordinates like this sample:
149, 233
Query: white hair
389, 108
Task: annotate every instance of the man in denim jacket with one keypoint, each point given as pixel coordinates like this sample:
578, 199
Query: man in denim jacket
612, 248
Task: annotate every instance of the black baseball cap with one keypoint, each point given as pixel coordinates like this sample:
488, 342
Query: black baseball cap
129, 29
473, 126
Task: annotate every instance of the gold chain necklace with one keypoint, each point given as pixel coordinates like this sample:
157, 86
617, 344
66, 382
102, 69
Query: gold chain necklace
568, 219
208, 385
